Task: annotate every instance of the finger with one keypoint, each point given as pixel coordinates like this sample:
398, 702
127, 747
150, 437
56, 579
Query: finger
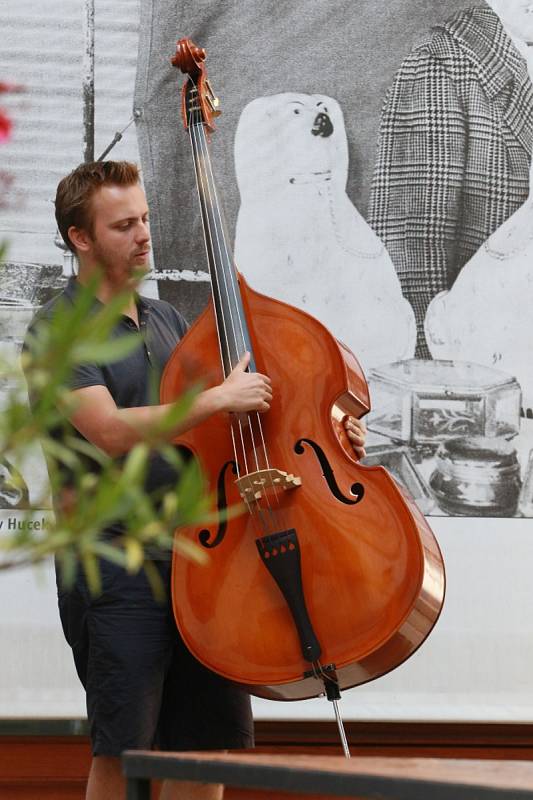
356, 435
263, 386
244, 361
264, 378
355, 424
260, 393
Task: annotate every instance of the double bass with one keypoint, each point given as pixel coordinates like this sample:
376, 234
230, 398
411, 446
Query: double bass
330, 577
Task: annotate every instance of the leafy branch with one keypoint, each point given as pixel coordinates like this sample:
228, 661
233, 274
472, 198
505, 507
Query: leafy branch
100, 491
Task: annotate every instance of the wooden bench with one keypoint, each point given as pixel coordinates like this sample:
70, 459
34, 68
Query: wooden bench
311, 777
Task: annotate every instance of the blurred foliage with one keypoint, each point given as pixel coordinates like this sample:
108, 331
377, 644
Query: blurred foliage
101, 490
113, 489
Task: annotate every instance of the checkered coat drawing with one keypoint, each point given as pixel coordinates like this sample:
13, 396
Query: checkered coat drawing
454, 150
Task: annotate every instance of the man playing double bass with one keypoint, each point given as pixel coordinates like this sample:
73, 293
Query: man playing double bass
143, 687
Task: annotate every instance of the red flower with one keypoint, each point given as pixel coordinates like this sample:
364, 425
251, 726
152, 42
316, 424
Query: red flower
5, 127
10, 87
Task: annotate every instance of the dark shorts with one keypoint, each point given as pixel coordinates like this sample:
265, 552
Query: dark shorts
144, 689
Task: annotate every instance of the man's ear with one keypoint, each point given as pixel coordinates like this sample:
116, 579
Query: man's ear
79, 238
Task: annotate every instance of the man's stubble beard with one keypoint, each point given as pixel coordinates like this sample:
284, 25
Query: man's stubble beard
116, 272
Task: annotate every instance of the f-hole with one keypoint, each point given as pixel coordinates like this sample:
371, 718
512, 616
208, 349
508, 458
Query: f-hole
356, 489
205, 534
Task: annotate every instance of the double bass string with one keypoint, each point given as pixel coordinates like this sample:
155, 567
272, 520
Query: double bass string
225, 265
203, 180
254, 510
210, 183
194, 121
201, 135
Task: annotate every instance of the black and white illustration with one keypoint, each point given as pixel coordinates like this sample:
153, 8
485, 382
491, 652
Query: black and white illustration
454, 147
453, 162
359, 188
300, 238
485, 316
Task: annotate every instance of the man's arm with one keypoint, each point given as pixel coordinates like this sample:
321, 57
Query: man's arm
116, 430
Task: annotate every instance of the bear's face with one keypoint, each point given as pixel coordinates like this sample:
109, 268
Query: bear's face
291, 138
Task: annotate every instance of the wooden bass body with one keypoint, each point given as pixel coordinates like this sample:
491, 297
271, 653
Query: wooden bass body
372, 575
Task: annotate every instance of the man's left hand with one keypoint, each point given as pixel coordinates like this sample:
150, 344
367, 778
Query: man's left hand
356, 431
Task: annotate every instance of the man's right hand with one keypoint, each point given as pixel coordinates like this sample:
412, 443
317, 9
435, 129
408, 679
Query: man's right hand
245, 391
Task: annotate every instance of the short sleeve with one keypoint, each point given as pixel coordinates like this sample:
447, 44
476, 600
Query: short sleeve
182, 326
84, 375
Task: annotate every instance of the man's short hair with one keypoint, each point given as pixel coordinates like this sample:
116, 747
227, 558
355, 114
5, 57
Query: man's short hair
74, 193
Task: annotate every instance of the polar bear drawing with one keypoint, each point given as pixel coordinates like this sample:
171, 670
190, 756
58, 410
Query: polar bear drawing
300, 239
486, 316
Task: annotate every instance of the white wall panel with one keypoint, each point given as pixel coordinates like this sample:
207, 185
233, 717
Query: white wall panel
43, 50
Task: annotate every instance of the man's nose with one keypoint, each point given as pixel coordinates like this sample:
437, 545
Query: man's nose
143, 232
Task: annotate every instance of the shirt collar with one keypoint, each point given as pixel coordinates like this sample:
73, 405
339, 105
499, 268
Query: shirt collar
73, 286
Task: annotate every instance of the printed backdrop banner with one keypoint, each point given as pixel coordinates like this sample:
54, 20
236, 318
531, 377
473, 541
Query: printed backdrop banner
373, 160
369, 157
344, 50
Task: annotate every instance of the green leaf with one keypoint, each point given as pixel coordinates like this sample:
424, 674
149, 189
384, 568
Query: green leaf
170, 504
85, 448
190, 549
135, 465
172, 454
104, 352
191, 492
59, 452
92, 572
111, 553
178, 410
155, 581
68, 564
134, 554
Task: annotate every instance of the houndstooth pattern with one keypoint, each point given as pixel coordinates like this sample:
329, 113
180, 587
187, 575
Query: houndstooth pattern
454, 150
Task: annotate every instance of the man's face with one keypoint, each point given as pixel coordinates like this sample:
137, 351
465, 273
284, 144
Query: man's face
517, 17
120, 241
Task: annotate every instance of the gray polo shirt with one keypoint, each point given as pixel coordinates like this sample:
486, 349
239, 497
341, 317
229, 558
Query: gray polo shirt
132, 381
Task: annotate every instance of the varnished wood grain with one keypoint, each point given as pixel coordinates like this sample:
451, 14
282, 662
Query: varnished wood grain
485, 773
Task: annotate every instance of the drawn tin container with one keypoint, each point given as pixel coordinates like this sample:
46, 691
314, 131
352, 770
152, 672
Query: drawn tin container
426, 402
476, 476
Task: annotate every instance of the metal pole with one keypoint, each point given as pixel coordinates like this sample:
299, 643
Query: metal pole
342, 733
88, 81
